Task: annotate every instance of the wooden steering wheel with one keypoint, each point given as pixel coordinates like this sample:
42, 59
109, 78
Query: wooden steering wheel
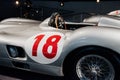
59, 22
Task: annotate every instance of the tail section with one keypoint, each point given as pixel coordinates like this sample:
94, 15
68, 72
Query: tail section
115, 13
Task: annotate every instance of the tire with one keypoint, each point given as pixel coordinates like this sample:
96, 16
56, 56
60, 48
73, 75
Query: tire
92, 64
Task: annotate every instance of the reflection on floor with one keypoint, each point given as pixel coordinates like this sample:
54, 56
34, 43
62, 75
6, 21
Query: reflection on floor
14, 74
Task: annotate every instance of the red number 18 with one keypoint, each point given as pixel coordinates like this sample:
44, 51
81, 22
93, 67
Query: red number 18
52, 41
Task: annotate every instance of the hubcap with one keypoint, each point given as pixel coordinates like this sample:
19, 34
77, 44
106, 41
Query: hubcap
94, 67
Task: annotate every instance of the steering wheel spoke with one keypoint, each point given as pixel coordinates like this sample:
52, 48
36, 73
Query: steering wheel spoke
57, 21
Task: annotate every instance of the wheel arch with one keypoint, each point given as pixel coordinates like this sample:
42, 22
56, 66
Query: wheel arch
112, 53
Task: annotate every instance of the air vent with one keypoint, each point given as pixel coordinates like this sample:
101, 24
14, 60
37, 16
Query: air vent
15, 51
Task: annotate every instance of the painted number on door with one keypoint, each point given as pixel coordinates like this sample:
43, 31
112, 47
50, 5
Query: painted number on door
45, 48
49, 49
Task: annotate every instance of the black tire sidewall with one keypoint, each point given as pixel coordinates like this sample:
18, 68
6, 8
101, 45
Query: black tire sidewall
71, 70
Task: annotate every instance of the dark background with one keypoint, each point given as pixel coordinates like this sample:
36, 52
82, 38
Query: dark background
41, 9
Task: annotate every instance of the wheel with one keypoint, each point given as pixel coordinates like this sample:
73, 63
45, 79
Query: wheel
92, 66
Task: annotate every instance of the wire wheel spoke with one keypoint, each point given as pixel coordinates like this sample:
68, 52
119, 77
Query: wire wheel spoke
94, 67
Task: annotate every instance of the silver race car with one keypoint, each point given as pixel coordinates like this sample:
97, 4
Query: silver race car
79, 51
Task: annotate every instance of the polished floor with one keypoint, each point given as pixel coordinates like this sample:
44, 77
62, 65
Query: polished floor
14, 74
